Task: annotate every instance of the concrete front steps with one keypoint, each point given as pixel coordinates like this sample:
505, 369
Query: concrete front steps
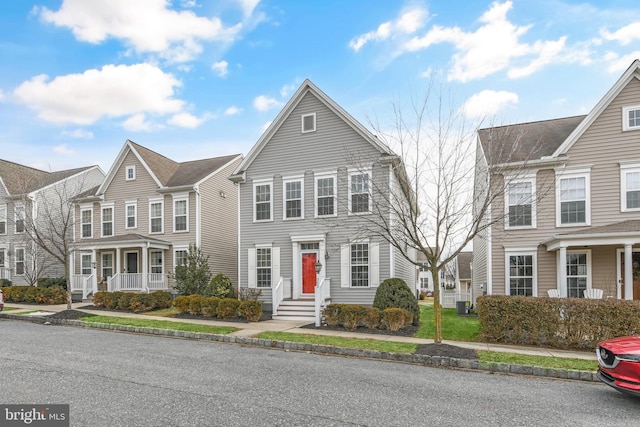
300, 309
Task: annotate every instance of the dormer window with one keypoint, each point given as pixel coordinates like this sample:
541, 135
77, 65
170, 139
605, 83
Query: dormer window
130, 173
631, 118
308, 123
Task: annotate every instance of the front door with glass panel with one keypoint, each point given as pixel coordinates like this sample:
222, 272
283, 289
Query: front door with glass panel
308, 258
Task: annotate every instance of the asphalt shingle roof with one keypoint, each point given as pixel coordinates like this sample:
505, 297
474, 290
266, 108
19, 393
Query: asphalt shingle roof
20, 179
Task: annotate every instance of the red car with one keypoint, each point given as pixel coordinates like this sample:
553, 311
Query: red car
619, 364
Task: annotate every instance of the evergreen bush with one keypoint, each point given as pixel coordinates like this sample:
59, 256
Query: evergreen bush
395, 293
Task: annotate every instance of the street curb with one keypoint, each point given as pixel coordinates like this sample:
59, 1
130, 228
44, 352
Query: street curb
419, 359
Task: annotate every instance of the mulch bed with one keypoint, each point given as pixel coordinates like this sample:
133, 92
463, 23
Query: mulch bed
68, 315
404, 332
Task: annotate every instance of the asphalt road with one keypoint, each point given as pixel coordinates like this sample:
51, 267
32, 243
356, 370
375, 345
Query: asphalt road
116, 379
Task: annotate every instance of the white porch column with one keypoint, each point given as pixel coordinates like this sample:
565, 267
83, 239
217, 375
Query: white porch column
94, 281
628, 272
118, 267
72, 266
562, 272
145, 267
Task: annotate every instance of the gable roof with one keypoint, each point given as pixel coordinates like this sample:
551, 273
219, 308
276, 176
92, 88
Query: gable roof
307, 87
20, 179
526, 141
166, 173
633, 72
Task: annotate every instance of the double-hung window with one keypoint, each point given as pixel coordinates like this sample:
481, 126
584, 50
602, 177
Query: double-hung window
263, 267
85, 265
630, 187
3, 219
131, 209
326, 192
19, 218
156, 261
155, 216
262, 201
577, 273
572, 199
521, 273
181, 256
180, 213
19, 261
631, 118
293, 198
130, 173
520, 203
359, 195
107, 221
359, 265
86, 218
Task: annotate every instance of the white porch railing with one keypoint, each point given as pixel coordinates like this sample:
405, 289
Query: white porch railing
449, 299
135, 282
77, 282
322, 294
89, 286
5, 273
277, 295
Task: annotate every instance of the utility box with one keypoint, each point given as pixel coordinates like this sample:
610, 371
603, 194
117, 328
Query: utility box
462, 308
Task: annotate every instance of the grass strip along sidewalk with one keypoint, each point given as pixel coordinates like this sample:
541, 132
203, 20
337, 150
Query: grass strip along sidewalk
158, 324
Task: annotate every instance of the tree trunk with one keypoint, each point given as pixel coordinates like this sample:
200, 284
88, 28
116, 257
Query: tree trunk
437, 308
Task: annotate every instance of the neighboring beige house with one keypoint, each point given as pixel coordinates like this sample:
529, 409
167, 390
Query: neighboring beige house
32, 198
136, 226
569, 221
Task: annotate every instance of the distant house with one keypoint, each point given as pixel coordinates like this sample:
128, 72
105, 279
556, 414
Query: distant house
137, 225
570, 219
304, 202
31, 198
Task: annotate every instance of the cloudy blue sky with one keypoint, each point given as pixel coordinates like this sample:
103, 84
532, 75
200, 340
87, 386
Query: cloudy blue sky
196, 78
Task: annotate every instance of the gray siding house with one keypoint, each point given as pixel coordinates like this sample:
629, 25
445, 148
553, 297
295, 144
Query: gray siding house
309, 191
568, 223
137, 225
33, 199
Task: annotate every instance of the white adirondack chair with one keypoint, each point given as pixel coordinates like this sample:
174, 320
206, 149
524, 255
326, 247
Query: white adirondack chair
593, 293
553, 293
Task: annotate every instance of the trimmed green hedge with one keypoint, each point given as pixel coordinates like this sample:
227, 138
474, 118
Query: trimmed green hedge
556, 322
221, 308
351, 316
35, 295
132, 302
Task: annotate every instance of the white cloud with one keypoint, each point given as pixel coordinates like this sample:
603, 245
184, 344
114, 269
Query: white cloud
488, 103
1, 95
145, 25
248, 6
221, 67
266, 125
137, 123
79, 134
495, 46
264, 103
618, 64
185, 120
232, 111
408, 22
624, 35
112, 91
288, 89
63, 149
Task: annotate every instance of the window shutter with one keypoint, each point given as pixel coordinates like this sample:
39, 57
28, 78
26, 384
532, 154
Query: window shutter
345, 263
275, 266
374, 254
251, 268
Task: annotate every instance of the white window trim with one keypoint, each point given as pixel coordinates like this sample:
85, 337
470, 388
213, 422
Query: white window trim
257, 183
285, 181
82, 258
179, 248
534, 261
589, 262
126, 173
126, 214
3, 208
161, 202
318, 177
511, 180
574, 173
24, 260
15, 218
302, 123
624, 169
273, 267
625, 118
151, 265
179, 198
351, 173
104, 206
86, 208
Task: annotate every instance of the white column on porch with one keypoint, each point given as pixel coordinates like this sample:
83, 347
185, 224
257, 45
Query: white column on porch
562, 272
118, 267
145, 267
94, 261
628, 271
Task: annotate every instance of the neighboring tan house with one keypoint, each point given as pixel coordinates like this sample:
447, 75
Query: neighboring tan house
306, 193
569, 221
31, 198
134, 228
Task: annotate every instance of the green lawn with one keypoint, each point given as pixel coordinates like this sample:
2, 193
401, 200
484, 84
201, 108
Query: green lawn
9, 308
367, 344
454, 327
158, 324
542, 361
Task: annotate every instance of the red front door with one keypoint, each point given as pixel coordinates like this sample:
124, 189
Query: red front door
309, 273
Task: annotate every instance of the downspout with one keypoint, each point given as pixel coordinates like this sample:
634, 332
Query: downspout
198, 215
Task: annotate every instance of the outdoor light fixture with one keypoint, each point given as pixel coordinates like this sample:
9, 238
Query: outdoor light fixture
318, 266
93, 264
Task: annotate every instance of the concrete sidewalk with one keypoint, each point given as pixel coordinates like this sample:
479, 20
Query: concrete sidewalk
254, 328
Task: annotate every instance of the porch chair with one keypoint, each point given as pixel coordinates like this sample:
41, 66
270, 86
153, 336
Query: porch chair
593, 293
553, 293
